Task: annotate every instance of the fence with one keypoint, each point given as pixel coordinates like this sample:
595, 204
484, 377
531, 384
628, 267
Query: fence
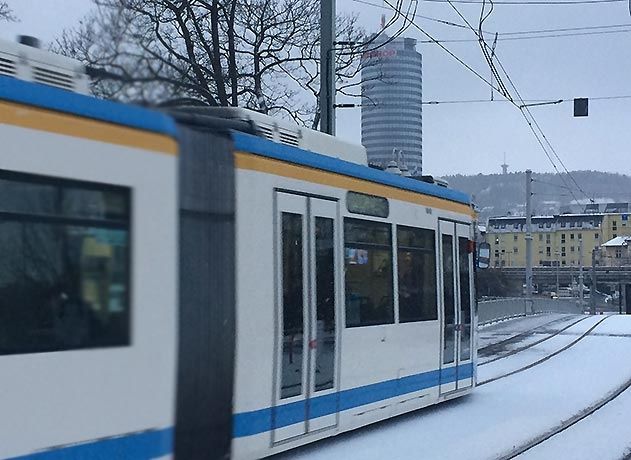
494, 310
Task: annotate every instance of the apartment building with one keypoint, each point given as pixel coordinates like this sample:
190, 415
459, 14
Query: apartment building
556, 239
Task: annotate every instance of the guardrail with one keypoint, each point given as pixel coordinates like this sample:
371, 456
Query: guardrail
498, 309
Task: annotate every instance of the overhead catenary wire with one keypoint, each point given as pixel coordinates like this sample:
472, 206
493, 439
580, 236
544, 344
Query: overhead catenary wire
531, 2
448, 51
513, 35
538, 133
534, 126
532, 37
529, 102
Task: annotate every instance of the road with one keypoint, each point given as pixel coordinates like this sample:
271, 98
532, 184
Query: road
551, 386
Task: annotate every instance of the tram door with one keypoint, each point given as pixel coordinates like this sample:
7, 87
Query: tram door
456, 263
307, 255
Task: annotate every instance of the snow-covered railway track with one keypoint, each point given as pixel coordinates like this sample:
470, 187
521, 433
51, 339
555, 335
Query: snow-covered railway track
491, 348
527, 333
565, 424
547, 357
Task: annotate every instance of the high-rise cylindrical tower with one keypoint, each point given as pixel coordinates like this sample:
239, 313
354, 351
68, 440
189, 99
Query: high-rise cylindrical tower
391, 101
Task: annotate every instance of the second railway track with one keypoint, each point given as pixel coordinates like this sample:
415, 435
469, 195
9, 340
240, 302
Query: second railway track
545, 358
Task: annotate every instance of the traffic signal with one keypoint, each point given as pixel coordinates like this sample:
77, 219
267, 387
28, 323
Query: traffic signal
580, 107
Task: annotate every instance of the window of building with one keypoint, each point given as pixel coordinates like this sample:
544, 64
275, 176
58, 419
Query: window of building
540, 237
541, 225
563, 262
515, 250
548, 225
614, 235
368, 261
579, 224
571, 248
571, 236
618, 253
417, 274
64, 264
514, 237
515, 226
503, 226
503, 251
572, 224
540, 251
547, 239
580, 236
596, 236
562, 224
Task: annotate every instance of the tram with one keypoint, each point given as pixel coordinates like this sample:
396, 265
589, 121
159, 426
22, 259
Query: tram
212, 282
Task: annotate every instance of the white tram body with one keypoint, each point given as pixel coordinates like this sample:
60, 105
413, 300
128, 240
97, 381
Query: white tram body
377, 370
214, 283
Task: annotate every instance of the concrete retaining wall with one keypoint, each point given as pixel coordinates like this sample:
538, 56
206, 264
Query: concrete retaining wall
493, 310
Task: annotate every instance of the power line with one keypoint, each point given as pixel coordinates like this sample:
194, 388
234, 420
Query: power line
448, 51
566, 29
523, 107
532, 3
550, 184
529, 102
532, 37
518, 32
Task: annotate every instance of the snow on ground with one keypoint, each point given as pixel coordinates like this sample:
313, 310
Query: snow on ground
507, 412
536, 352
604, 435
518, 342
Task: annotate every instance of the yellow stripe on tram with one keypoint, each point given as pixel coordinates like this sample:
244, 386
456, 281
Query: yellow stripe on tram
72, 125
244, 160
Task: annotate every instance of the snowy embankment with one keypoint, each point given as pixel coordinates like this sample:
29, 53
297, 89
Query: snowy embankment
511, 411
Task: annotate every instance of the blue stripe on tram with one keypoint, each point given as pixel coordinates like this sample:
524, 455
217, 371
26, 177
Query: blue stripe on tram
262, 420
134, 446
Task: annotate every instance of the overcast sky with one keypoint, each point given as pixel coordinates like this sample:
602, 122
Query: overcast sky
472, 138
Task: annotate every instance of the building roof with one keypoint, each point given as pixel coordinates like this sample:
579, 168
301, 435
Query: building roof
617, 242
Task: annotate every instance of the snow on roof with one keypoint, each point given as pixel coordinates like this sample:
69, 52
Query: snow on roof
617, 241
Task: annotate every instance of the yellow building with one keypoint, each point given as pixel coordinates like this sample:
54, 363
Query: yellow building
557, 239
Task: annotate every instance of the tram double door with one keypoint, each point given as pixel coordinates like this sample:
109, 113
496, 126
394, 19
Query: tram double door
456, 281
307, 254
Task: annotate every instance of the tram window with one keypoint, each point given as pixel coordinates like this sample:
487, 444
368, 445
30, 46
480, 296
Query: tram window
370, 205
368, 262
417, 274
64, 280
293, 304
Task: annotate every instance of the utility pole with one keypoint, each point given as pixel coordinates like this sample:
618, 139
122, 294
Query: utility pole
592, 295
327, 66
529, 234
580, 272
558, 262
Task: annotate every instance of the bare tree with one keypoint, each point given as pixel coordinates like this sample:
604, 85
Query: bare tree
6, 14
260, 54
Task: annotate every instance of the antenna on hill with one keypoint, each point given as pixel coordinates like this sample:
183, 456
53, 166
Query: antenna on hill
504, 166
